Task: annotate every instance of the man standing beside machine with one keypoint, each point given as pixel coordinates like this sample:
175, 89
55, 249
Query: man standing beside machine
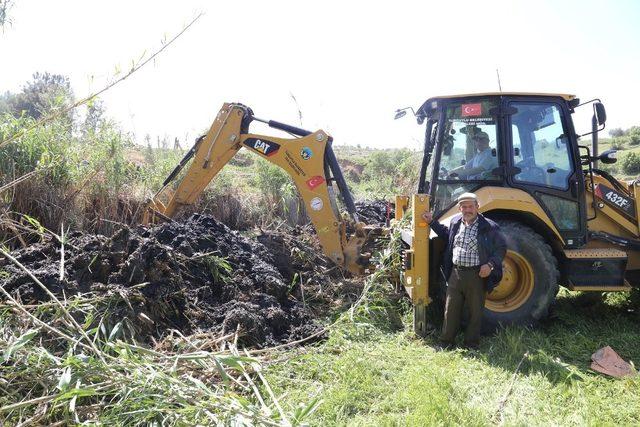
472, 265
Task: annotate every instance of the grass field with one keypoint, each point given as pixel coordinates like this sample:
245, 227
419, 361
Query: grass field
368, 374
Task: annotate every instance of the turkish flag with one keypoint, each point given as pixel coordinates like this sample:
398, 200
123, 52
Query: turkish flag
470, 110
598, 191
314, 181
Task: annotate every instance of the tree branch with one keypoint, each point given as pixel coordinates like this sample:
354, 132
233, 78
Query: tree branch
98, 93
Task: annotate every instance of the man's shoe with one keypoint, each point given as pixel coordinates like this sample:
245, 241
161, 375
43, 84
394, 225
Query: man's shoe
444, 346
472, 346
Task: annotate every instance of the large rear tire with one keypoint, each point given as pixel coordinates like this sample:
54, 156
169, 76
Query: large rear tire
530, 280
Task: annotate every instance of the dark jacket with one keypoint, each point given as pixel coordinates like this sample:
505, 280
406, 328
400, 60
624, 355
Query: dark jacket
491, 246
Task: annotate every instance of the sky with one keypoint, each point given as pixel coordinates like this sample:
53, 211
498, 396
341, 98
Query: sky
349, 64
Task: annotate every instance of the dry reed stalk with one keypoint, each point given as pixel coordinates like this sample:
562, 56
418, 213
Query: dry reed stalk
54, 298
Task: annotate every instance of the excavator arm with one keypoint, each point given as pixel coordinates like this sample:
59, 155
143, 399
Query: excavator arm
308, 159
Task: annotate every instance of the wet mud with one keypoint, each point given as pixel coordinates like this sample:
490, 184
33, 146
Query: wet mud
196, 275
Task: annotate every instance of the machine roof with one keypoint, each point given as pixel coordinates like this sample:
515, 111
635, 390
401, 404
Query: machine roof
565, 96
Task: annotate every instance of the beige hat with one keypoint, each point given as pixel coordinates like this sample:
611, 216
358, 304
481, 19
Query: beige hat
467, 196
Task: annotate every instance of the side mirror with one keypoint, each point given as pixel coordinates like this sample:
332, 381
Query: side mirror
600, 113
598, 119
400, 113
608, 157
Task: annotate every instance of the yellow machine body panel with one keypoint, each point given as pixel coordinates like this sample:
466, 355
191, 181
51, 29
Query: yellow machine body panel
612, 221
416, 277
508, 199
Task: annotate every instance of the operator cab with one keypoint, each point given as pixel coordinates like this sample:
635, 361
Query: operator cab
514, 140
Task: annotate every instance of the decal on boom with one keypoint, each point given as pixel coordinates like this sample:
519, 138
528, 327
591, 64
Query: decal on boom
262, 146
618, 201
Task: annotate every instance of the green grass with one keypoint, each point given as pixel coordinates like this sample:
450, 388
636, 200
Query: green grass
364, 375
54, 374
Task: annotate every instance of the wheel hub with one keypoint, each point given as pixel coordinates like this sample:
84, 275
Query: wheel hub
516, 285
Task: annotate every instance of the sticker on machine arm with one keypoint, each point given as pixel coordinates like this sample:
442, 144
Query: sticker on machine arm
262, 146
314, 181
620, 202
316, 204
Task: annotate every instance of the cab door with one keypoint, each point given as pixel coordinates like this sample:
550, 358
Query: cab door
544, 162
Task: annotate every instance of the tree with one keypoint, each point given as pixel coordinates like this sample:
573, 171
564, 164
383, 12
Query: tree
38, 96
5, 5
616, 132
630, 136
94, 118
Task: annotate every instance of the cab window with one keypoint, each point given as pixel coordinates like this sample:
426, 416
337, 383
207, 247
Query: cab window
540, 145
469, 145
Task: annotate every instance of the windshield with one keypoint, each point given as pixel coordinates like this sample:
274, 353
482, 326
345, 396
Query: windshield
468, 149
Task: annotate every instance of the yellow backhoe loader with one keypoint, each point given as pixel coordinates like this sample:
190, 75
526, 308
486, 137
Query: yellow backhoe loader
566, 222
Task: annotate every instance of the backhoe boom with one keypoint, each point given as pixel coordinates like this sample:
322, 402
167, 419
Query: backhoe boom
308, 159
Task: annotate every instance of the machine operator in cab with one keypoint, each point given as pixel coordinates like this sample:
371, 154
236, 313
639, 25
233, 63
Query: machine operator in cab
482, 162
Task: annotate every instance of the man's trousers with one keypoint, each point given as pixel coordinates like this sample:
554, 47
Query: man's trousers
465, 290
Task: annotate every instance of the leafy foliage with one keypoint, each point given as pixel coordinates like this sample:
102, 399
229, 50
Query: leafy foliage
40, 95
389, 172
618, 143
631, 163
5, 5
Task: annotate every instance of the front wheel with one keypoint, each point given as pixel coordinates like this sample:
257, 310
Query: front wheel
529, 283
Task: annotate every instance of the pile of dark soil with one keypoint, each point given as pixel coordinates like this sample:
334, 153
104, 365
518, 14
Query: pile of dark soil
313, 277
195, 275
375, 212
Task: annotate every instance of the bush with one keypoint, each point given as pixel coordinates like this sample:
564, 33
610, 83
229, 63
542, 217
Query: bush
631, 163
390, 172
618, 143
76, 175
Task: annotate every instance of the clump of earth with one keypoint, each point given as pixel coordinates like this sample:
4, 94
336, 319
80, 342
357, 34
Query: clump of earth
195, 275
375, 212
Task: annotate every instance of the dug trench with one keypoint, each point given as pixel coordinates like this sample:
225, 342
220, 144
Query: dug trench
195, 275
